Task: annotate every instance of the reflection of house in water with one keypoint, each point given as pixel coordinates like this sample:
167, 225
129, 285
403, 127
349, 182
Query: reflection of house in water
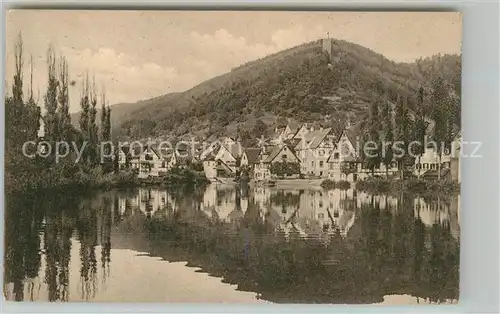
325, 211
382, 201
440, 212
148, 201
223, 201
262, 196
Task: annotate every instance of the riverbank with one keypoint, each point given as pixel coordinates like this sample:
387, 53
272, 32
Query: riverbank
57, 179
410, 186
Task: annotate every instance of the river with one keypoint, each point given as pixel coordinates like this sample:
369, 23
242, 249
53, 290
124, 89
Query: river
228, 244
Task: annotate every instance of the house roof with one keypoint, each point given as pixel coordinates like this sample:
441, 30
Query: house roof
313, 139
292, 142
236, 149
276, 152
252, 154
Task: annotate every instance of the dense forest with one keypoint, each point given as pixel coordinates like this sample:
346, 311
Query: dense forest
303, 83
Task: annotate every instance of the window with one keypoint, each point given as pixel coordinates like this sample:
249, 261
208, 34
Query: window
335, 214
283, 156
320, 173
321, 216
320, 204
163, 164
331, 166
321, 152
312, 163
336, 156
321, 164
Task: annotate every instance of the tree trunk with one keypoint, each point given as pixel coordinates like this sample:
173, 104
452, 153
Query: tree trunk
439, 167
386, 171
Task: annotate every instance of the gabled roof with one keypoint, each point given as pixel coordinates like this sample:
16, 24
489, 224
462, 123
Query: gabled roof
236, 150
276, 152
292, 142
313, 139
252, 154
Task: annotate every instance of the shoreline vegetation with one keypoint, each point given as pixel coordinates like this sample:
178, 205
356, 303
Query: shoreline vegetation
85, 179
380, 185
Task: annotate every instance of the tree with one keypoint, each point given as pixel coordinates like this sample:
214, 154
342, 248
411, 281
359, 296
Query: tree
387, 154
64, 118
420, 127
402, 133
284, 168
373, 159
22, 120
51, 119
346, 168
85, 107
443, 118
260, 128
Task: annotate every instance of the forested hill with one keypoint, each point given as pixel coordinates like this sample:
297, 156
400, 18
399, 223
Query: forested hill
302, 83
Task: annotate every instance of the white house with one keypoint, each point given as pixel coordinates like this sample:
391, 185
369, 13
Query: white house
151, 162
314, 150
280, 153
230, 153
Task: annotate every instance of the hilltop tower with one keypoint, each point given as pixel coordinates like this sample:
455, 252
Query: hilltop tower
327, 46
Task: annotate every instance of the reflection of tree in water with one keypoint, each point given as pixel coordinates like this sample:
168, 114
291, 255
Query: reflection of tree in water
22, 246
384, 253
87, 235
59, 224
25, 227
105, 232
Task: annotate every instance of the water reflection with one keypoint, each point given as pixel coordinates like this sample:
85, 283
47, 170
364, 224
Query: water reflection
303, 245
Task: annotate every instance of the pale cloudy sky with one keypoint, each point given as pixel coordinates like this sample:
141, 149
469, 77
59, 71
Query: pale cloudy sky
142, 54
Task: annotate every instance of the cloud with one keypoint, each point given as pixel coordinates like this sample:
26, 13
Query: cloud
124, 78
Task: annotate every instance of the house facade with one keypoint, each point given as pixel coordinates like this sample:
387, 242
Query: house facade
151, 162
280, 154
314, 150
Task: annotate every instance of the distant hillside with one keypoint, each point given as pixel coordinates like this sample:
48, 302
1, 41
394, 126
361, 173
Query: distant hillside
301, 83
123, 111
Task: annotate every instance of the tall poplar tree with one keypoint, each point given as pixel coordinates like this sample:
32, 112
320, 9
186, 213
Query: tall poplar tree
51, 119
402, 133
373, 160
92, 126
387, 118
420, 128
63, 98
84, 115
22, 119
442, 114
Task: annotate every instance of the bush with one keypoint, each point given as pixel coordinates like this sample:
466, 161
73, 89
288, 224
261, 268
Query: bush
330, 184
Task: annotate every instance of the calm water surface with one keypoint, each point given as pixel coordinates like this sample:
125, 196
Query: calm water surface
232, 244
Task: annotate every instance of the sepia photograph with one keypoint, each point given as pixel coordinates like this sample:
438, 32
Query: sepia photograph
233, 157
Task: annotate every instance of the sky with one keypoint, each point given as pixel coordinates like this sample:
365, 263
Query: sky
137, 55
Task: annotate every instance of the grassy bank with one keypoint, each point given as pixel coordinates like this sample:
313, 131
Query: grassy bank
415, 186
80, 179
